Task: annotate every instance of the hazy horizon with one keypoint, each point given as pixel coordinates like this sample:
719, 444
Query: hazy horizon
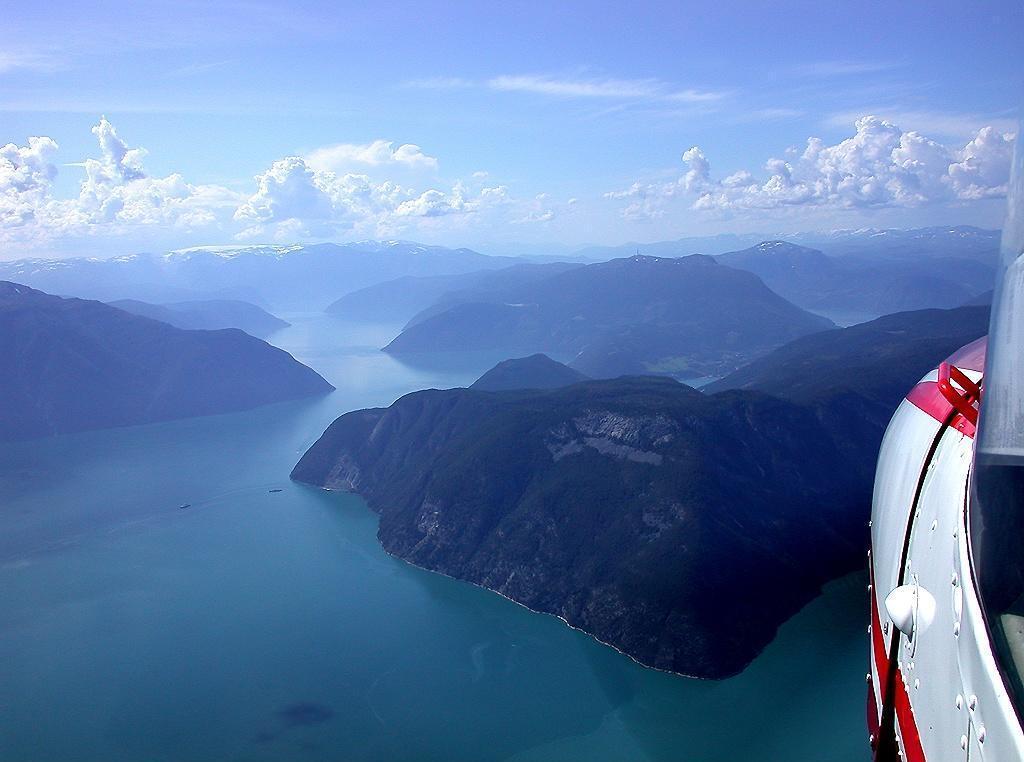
540, 249
148, 129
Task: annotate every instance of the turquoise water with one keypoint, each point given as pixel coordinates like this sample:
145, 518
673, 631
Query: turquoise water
259, 625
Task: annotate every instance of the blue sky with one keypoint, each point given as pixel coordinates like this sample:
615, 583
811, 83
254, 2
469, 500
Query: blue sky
530, 122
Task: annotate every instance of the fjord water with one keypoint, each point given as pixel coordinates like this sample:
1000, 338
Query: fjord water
259, 624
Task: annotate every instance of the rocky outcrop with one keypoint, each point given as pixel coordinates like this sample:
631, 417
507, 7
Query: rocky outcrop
679, 528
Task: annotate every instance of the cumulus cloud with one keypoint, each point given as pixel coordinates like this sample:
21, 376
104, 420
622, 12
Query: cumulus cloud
117, 191
434, 203
289, 194
115, 194
337, 189
982, 169
879, 166
294, 199
26, 175
344, 156
118, 162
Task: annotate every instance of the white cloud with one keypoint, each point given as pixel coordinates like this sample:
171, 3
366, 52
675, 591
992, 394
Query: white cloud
829, 69
434, 203
11, 60
545, 215
982, 169
693, 96
26, 175
116, 194
295, 198
603, 88
539, 210
117, 190
346, 156
880, 166
118, 162
289, 194
600, 88
946, 124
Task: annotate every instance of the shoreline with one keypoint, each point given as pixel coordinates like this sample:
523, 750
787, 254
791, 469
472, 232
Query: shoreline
562, 619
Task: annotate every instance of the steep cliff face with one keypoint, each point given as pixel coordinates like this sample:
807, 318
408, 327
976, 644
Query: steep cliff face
680, 528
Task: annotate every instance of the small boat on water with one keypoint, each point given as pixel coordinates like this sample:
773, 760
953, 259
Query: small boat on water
275, 490
183, 506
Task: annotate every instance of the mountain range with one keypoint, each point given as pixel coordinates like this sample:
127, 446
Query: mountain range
299, 277
409, 297
957, 241
858, 288
73, 364
681, 527
309, 277
690, 316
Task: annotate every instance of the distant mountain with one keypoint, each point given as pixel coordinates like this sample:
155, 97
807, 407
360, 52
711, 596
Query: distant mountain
493, 286
851, 285
873, 358
959, 241
855, 377
984, 299
208, 315
682, 247
401, 299
72, 365
395, 301
294, 277
679, 528
534, 372
690, 316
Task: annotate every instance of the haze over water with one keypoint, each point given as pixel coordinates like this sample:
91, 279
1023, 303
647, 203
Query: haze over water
260, 625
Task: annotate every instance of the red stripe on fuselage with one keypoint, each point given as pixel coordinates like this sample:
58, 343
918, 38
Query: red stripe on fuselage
909, 734
912, 749
927, 397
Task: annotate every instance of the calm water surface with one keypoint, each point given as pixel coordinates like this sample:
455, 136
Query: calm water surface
259, 625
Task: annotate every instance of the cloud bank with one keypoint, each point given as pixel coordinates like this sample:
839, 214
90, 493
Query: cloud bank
334, 190
879, 166
384, 189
